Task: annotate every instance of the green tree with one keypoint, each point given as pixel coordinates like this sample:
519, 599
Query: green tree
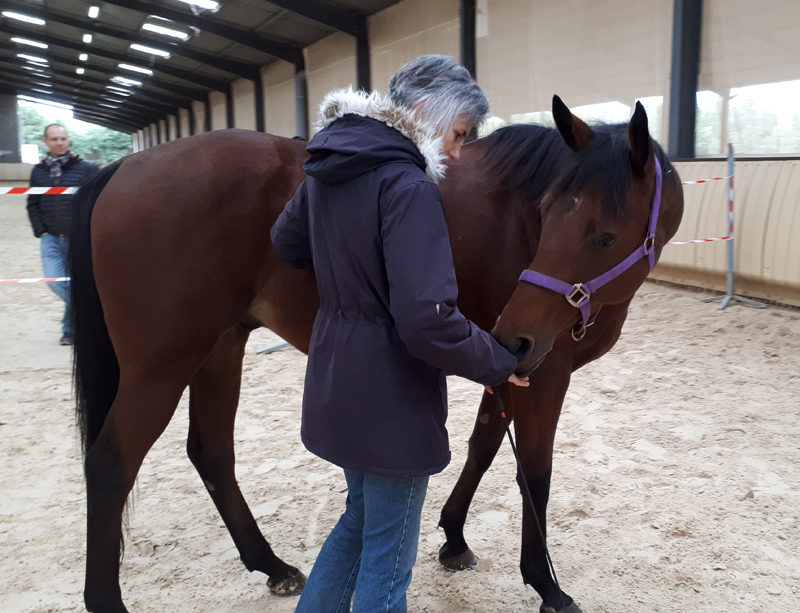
32, 126
95, 144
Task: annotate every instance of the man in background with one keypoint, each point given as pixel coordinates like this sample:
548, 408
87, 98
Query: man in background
51, 215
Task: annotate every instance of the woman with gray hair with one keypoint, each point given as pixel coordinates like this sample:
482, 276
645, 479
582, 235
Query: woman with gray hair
388, 330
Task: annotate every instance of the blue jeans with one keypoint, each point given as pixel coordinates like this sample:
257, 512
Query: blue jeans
54, 264
369, 554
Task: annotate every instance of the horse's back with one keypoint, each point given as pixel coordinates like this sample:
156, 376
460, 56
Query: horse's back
180, 235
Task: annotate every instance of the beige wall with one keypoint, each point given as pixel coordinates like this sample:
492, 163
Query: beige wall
184, 120
199, 109
172, 127
244, 104
330, 64
219, 112
15, 175
747, 43
407, 30
279, 98
586, 51
766, 220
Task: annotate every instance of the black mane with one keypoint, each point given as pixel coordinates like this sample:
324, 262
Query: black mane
535, 159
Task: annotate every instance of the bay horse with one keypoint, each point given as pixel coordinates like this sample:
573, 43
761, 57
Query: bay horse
172, 268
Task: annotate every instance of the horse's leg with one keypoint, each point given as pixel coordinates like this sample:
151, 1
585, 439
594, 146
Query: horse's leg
535, 420
141, 410
214, 396
484, 442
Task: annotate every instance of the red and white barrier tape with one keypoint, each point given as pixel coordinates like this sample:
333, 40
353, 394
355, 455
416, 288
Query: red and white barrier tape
702, 240
698, 181
35, 280
37, 190
71, 190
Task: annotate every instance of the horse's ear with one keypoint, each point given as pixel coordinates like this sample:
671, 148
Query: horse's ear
573, 130
639, 140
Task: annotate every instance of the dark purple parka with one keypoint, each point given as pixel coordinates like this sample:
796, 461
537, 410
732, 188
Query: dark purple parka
388, 329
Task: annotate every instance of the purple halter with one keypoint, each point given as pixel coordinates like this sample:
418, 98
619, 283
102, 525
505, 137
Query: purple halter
578, 294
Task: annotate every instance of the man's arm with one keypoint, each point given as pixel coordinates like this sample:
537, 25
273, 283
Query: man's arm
34, 209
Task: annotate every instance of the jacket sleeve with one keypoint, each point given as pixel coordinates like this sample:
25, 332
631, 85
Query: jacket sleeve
35, 210
289, 233
423, 290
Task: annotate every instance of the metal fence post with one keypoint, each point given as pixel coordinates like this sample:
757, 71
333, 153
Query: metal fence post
729, 295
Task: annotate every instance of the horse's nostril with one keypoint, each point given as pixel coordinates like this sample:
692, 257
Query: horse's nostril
521, 347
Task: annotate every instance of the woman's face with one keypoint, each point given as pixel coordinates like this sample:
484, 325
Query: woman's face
454, 137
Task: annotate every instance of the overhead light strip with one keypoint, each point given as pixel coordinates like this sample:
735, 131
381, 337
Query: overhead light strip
30, 43
21, 17
209, 5
33, 58
133, 68
164, 31
150, 50
126, 81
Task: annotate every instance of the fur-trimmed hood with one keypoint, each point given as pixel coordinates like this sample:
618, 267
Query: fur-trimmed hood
343, 102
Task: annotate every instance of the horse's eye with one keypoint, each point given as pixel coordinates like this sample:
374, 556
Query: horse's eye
606, 239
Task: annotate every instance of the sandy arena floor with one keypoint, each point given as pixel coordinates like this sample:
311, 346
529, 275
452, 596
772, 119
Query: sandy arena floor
676, 484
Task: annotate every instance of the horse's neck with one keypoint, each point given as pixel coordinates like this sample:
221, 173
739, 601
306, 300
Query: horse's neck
493, 235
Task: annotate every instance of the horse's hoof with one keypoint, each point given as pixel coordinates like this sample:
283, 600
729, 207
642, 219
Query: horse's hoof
572, 608
290, 586
462, 561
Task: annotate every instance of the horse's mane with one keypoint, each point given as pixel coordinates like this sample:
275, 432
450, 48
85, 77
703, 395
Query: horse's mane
535, 159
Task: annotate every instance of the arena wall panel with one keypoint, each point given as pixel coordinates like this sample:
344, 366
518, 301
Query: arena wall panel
407, 30
199, 110
279, 98
766, 224
330, 64
219, 111
244, 104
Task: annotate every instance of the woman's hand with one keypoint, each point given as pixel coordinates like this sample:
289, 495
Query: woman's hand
518, 381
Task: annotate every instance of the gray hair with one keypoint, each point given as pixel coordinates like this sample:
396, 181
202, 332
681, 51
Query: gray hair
442, 89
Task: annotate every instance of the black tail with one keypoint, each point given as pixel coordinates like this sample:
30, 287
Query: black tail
95, 369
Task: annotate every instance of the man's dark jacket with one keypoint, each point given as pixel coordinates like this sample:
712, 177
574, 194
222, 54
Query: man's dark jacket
388, 330
52, 213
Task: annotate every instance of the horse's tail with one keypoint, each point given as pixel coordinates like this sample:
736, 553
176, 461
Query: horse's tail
95, 369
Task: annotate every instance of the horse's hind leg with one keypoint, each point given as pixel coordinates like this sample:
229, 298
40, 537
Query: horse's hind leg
214, 396
140, 412
483, 445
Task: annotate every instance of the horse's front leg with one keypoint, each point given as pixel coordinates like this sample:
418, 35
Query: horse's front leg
214, 397
536, 413
484, 442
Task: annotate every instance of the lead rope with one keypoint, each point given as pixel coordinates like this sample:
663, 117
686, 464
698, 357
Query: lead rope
528, 495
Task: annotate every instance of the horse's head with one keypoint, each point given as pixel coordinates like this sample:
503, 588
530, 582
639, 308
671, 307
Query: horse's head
615, 202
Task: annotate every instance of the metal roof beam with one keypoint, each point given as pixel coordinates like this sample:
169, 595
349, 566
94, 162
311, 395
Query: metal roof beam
112, 55
331, 16
76, 99
80, 98
282, 51
239, 69
172, 89
125, 123
93, 85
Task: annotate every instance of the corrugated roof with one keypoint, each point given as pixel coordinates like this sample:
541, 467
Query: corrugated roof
217, 47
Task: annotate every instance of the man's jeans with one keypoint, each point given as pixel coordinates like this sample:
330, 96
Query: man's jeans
54, 264
370, 552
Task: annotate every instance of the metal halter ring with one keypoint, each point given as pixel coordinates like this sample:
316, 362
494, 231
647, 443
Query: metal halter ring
577, 295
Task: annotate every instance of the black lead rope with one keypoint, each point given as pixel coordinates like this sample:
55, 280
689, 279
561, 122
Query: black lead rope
528, 495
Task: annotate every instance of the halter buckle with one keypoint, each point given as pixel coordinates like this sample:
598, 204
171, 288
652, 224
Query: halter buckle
577, 296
